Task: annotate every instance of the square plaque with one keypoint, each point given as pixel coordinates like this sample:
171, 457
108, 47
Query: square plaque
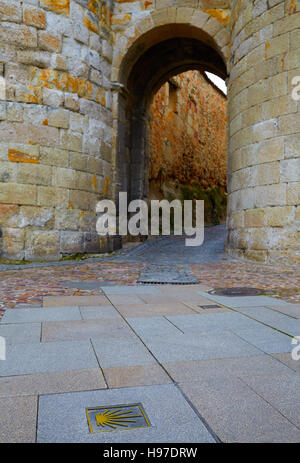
116, 418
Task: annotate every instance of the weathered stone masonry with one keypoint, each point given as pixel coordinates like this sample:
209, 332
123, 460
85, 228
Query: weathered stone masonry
188, 154
78, 78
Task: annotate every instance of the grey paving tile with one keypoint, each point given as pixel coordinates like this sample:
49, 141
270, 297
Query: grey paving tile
241, 367
152, 310
51, 383
40, 315
202, 346
109, 328
183, 290
245, 301
158, 298
152, 326
102, 311
119, 299
266, 339
275, 319
172, 419
130, 290
263, 314
237, 414
18, 420
70, 301
198, 308
136, 376
211, 321
287, 359
21, 333
281, 391
22, 359
293, 310
122, 352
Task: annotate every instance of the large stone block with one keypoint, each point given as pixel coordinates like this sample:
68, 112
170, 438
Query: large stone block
279, 216
290, 170
41, 245
13, 243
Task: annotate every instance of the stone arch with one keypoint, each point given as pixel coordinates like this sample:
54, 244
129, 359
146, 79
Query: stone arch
148, 30
161, 45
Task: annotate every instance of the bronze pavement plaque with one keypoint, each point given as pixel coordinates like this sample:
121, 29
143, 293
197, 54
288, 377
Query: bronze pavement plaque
116, 418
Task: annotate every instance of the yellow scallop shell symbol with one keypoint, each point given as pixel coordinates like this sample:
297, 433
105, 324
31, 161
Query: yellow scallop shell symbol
115, 418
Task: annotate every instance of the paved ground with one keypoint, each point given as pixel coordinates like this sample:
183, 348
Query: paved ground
205, 368
27, 285
201, 374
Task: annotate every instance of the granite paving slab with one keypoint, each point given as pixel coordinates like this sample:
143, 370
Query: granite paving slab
51, 383
24, 359
244, 301
293, 310
18, 419
287, 359
171, 417
136, 376
109, 328
281, 391
119, 299
153, 310
237, 414
59, 301
201, 370
152, 326
100, 312
202, 346
266, 339
272, 318
40, 315
21, 333
121, 352
130, 290
211, 321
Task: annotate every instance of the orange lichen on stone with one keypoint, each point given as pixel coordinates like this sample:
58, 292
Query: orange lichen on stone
267, 48
59, 6
7, 211
61, 81
94, 182
115, 19
105, 16
94, 6
45, 122
71, 205
92, 26
35, 18
100, 97
33, 95
105, 186
292, 7
146, 4
221, 15
19, 156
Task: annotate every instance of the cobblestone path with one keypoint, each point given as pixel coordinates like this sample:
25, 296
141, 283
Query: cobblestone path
208, 264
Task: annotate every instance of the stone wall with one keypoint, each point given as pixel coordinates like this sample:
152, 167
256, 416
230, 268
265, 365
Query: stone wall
188, 142
76, 75
264, 145
55, 125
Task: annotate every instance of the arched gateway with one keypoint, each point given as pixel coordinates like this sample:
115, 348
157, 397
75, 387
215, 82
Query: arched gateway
78, 78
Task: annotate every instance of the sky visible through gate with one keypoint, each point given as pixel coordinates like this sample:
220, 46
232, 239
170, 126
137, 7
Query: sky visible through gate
220, 83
